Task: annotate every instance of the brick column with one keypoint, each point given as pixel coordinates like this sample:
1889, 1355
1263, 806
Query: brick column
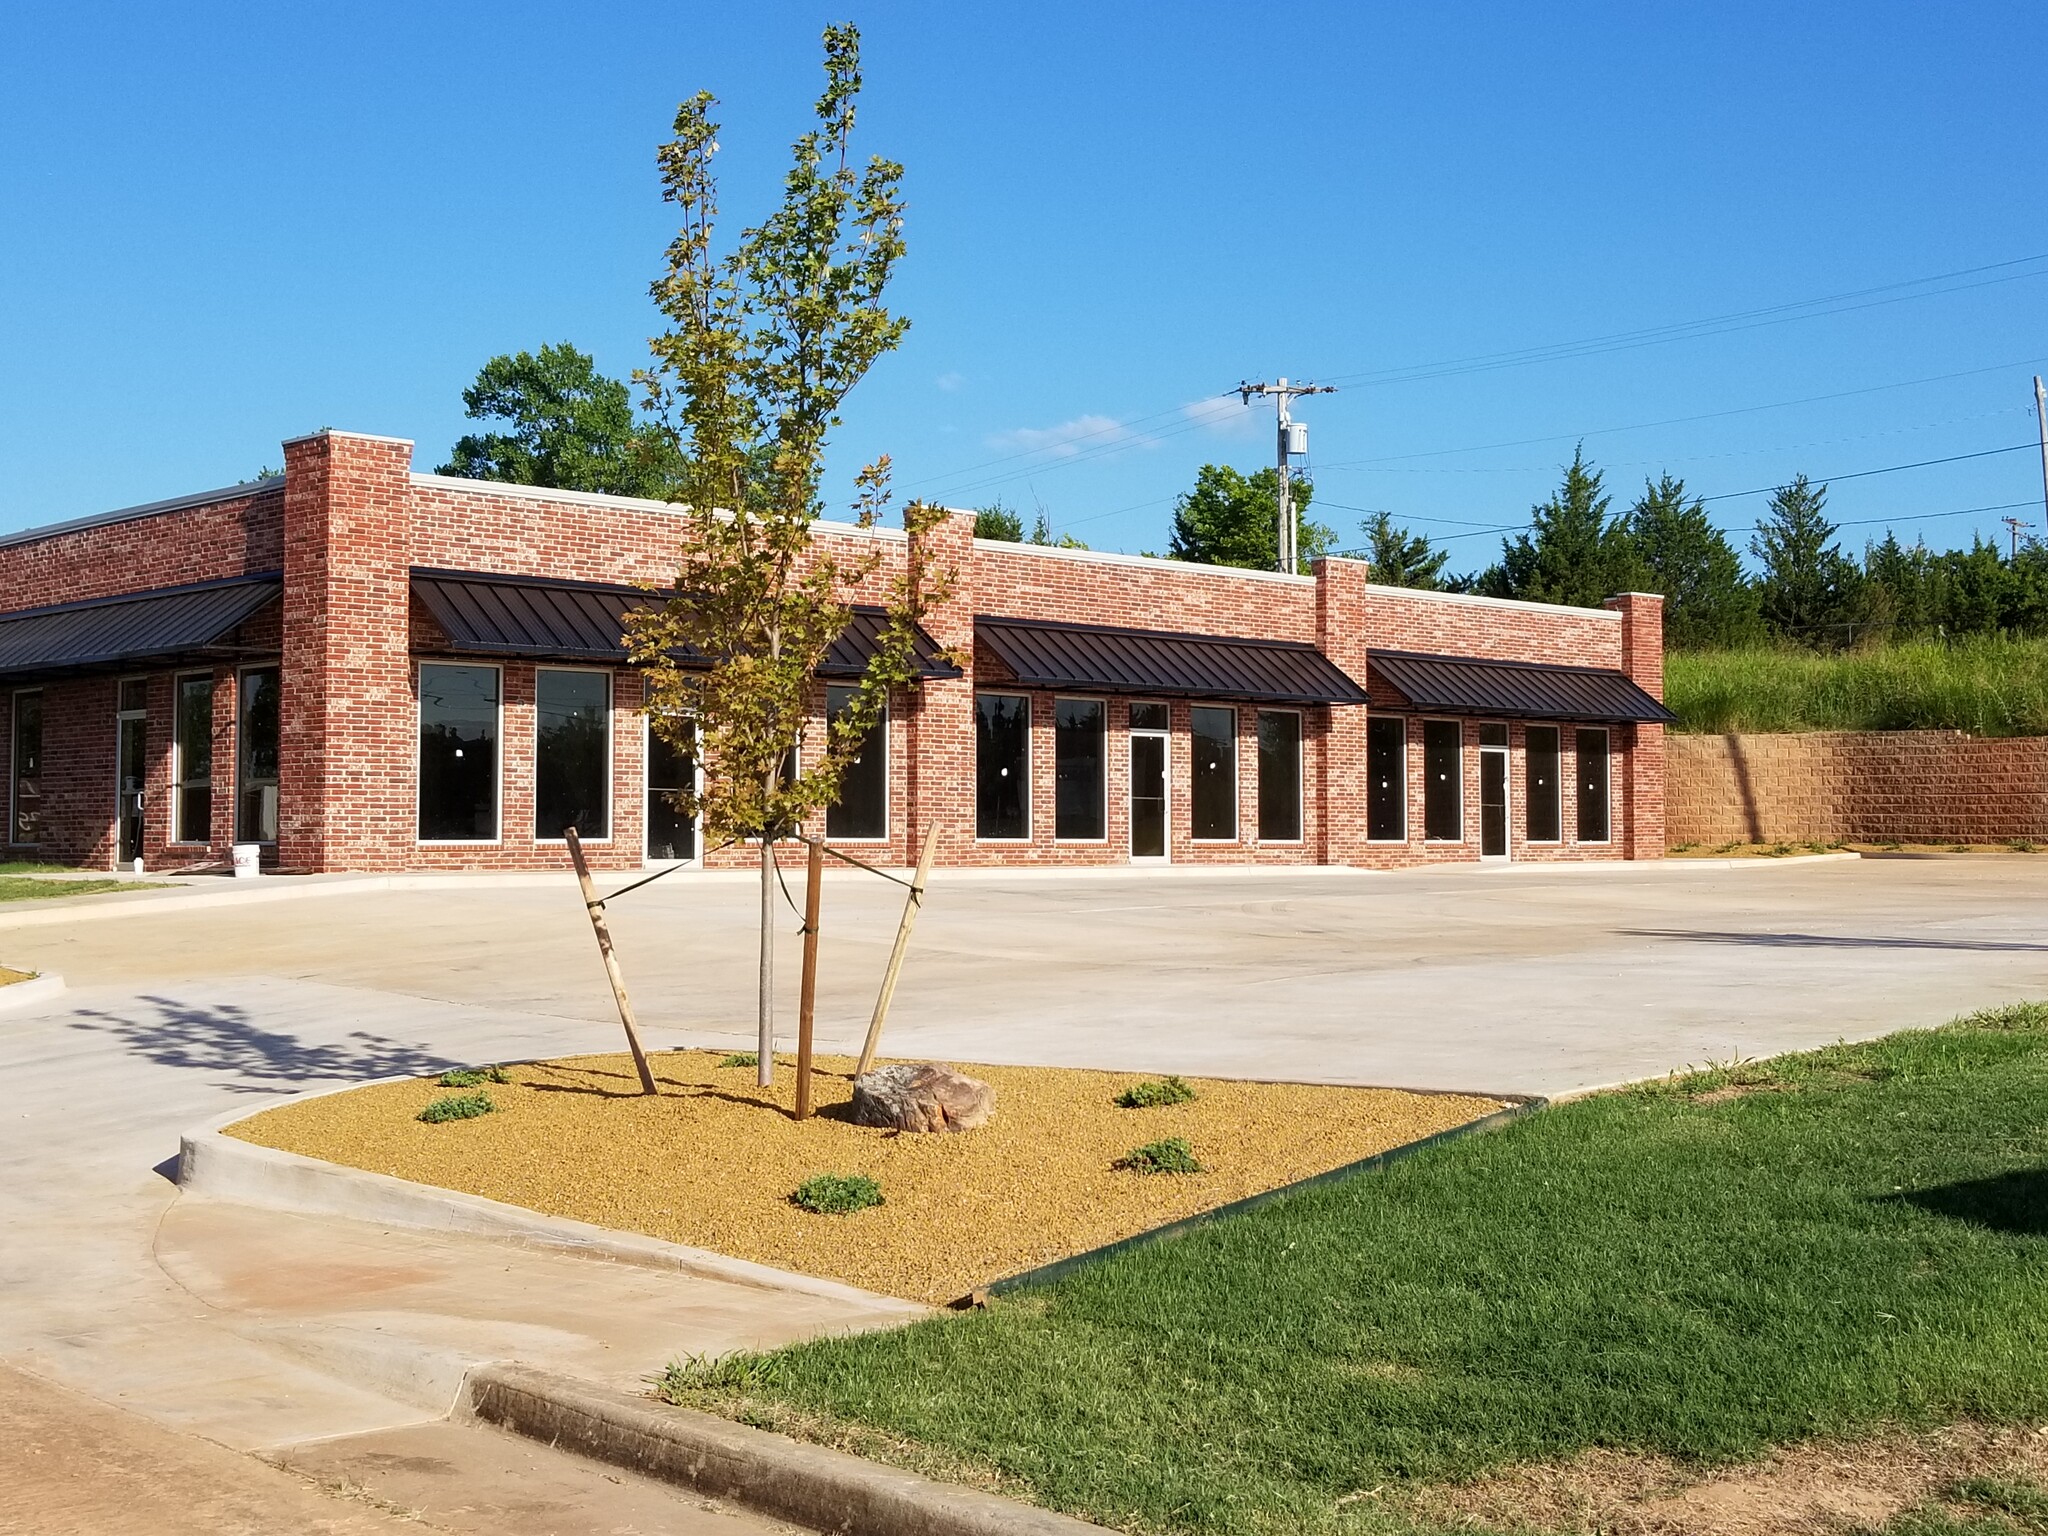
1341, 634
1642, 658
939, 725
346, 730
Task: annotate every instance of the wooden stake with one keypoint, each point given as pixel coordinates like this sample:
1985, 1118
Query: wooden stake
924, 869
808, 998
595, 907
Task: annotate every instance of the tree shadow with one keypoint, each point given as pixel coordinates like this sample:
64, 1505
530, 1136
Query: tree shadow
225, 1038
2015, 1202
1832, 941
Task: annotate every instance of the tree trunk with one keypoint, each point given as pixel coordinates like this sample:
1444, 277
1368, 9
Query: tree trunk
765, 1073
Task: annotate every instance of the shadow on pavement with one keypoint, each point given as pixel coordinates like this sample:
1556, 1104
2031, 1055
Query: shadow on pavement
224, 1038
1833, 941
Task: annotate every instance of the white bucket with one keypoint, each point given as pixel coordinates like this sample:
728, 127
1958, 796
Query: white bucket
248, 860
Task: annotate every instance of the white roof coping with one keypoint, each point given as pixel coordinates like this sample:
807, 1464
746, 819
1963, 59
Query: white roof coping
1108, 557
622, 503
361, 437
146, 509
1476, 600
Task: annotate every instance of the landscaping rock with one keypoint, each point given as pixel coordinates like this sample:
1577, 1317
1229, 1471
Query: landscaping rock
926, 1097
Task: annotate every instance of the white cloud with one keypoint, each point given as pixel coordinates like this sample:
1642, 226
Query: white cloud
1084, 434
1225, 415
951, 383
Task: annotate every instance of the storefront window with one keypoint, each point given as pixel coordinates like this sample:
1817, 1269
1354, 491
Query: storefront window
861, 813
1541, 792
1279, 776
256, 765
192, 744
458, 754
25, 798
1080, 772
1002, 766
1214, 733
1443, 781
572, 719
1593, 787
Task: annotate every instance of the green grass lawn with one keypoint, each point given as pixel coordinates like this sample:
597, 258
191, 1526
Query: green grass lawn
1988, 686
1815, 1246
28, 888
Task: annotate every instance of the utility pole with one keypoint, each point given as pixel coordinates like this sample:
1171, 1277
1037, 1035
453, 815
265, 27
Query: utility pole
1293, 440
2013, 525
2041, 418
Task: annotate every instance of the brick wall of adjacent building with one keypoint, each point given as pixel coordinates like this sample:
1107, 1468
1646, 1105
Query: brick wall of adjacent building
351, 519
1820, 786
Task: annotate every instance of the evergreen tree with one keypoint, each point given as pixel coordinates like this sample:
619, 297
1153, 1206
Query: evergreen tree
1403, 559
1708, 602
1809, 588
997, 521
1573, 553
566, 426
1231, 518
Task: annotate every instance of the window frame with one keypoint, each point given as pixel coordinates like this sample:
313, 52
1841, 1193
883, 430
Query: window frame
888, 762
1236, 837
1300, 777
14, 698
1400, 838
180, 834
611, 810
1030, 764
243, 782
1556, 786
419, 705
1457, 781
1101, 706
1606, 735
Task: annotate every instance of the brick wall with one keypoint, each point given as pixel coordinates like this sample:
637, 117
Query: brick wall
1914, 786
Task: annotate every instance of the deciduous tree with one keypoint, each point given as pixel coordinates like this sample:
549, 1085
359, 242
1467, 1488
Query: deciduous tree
1231, 518
565, 425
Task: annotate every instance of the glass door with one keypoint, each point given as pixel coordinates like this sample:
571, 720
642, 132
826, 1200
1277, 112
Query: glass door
671, 835
1148, 794
131, 758
1493, 802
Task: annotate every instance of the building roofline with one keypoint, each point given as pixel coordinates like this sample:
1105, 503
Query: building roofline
1475, 600
145, 509
620, 503
1110, 557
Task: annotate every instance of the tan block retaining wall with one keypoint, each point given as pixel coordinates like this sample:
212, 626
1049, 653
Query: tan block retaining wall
1915, 786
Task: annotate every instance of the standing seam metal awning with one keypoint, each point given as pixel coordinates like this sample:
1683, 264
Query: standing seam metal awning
1102, 659
1522, 690
586, 621
130, 627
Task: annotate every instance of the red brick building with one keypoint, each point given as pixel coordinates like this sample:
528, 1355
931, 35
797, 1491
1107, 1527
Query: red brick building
360, 667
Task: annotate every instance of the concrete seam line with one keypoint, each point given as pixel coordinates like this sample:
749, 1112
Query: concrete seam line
811, 1485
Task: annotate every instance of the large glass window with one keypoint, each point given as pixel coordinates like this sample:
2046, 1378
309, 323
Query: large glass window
25, 797
256, 757
1443, 781
192, 766
1279, 776
1593, 801
1080, 747
671, 771
1541, 791
1386, 779
1214, 733
572, 754
458, 754
1002, 765
862, 810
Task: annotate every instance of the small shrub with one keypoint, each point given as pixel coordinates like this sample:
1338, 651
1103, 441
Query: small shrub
741, 1059
2021, 845
837, 1194
1173, 1155
461, 1106
2018, 1018
1166, 1090
469, 1077
689, 1379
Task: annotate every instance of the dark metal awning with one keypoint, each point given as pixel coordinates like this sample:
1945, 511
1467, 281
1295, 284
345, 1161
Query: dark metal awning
1522, 690
586, 621
132, 627
1101, 659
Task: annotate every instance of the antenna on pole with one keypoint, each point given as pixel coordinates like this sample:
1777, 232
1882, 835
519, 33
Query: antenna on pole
1293, 441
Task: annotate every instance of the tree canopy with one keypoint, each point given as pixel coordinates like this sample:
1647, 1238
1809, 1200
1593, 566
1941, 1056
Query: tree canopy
1231, 518
1402, 559
1807, 586
1708, 602
565, 425
1573, 552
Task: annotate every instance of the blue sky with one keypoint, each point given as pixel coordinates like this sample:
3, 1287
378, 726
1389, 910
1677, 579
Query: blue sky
230, 224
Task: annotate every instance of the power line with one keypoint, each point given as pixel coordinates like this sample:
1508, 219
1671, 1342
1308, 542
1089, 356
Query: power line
1864, 474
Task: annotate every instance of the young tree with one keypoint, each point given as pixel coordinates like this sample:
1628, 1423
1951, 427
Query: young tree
1808, 587
765, 341
1041, 533
1231, 518
567, 426
1573, 553
1707, 600
997, 521
1400, 558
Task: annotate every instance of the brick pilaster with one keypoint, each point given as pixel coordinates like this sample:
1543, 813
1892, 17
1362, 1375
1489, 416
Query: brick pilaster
1642, 658
939, 724
1341, 630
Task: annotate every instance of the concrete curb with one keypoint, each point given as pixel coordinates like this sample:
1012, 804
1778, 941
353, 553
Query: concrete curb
223, 1168
37, 989
810, 1485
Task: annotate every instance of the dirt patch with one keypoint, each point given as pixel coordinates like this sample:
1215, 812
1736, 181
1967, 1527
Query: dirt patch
9, 978
713, 1159
1826, 1488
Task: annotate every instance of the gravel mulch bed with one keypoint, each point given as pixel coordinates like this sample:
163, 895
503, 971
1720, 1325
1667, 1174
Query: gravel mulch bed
713, 1159
9, 978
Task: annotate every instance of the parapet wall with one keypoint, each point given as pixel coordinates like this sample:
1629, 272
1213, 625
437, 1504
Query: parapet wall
1821, 786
